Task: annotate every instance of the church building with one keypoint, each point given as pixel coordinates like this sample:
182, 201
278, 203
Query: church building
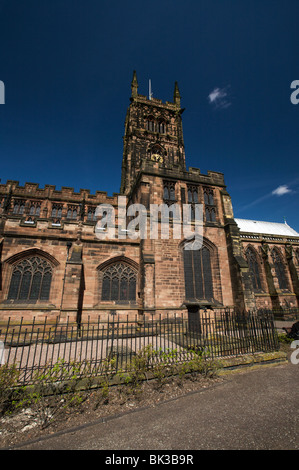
54, 264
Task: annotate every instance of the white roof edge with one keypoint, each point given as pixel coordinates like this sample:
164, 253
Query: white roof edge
267, 228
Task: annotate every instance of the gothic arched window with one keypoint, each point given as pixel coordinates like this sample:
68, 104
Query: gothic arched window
162, 127
192, 194
56, 211
210, 206
119, 282
169, 191
208, 196
34, 209
210, 214
198, 274
72, 212
253, 269
31, 280
91, 214
279, 270
151, 124
19, 207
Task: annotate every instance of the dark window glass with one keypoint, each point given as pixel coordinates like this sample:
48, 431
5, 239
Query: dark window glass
208, 215
253, 269
35, 286
169, 191
25, 285
45, 286
106, 289
279, 270
19, 207
56, 211
91, 216
151, 124
198, 274
209, 197
207, 273
162, 127
14, 284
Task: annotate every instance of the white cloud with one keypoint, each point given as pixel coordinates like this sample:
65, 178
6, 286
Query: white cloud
219, 97
281, 190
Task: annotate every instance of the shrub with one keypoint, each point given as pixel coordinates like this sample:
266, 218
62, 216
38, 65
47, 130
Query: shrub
9, 379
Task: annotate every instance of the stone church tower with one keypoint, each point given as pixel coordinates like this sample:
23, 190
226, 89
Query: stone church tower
153, 132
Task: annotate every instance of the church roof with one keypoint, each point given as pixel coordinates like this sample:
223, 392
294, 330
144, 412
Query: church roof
269, 228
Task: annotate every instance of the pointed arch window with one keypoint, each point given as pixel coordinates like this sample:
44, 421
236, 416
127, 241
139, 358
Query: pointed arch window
279, 270
162, 126
198, 274
19, 207
31, 280
91, 214
56, 211
210, 214
208, 196
253, 269
72, 212
169, 191
192, 194
34, 209
210, 206
119, 283
150, 124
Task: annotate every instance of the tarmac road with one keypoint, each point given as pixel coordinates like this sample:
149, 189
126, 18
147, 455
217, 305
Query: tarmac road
256, 410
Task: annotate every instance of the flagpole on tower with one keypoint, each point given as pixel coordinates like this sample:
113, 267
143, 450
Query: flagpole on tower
150, 94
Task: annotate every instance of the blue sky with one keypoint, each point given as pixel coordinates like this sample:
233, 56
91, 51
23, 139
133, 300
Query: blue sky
67, 67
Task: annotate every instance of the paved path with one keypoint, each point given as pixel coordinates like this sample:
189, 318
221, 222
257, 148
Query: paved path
257, 409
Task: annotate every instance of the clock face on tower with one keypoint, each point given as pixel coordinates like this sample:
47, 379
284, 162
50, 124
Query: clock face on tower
157, 158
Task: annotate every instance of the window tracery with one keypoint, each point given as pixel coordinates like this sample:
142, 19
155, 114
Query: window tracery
31, 280
119, 283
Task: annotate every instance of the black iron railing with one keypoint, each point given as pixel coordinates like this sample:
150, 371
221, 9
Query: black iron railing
34, 346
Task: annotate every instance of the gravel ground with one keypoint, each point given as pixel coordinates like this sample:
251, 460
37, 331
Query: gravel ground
256, 409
